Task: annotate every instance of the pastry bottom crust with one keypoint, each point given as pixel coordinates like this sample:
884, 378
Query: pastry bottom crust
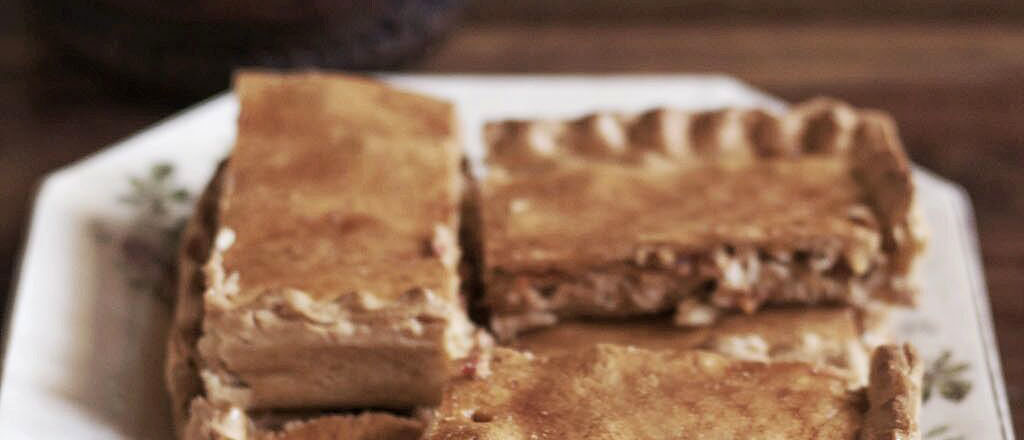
374, 376
210, 421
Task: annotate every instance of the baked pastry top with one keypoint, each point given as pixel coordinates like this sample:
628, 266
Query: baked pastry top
618, 215
613, 392
337, 187
328, 252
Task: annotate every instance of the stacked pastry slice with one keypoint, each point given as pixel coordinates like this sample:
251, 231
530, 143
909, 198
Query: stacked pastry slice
664, 275
320, 272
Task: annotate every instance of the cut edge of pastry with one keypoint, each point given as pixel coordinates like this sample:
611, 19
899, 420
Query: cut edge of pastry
221, 422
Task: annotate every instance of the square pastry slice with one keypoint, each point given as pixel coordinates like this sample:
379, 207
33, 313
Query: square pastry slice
615, 392
211, 421
330, 280
835, 338
197, 418
618, 216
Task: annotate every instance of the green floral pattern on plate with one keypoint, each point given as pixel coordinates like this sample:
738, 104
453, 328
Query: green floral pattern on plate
945, 376
146, 250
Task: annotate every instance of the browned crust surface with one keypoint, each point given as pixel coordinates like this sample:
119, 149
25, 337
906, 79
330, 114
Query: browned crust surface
607, 391
612, 215
331, 281
333, 180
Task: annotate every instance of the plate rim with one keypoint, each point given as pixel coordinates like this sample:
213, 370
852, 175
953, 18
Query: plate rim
970, 243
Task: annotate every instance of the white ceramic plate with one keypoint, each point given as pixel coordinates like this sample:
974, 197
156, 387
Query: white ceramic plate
86, 338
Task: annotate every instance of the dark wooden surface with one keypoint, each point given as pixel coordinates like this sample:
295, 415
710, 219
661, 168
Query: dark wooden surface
956, 89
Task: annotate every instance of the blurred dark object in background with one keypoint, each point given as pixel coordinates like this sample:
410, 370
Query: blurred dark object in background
191, 46
547, 11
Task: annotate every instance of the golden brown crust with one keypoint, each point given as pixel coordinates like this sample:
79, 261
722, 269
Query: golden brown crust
324, 163
894, 395
608, 392
612, 215
335, 248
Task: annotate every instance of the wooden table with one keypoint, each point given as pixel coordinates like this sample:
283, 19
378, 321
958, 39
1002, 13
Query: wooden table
956, 89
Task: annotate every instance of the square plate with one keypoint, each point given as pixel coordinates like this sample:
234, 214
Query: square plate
89, 319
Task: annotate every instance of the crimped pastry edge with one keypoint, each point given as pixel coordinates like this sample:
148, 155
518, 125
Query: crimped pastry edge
821, 126
894, 394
